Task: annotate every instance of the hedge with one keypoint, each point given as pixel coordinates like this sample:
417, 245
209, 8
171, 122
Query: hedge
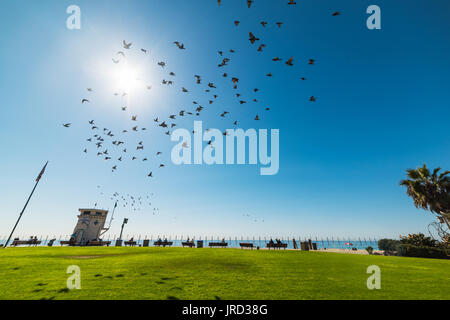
408, 250
388, 244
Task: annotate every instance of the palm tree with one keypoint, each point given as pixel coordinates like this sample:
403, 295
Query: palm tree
430, 191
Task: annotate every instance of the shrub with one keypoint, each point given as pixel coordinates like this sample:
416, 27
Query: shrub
388, 244
369, 250
419, 240
408, 250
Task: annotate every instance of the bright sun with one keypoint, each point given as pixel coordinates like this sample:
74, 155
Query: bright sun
126, 78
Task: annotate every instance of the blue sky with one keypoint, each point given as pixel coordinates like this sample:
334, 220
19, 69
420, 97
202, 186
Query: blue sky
382, 106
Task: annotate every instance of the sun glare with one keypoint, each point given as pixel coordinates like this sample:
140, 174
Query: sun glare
126, 78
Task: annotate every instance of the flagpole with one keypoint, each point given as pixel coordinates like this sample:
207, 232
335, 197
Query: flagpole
26, 204
110, 221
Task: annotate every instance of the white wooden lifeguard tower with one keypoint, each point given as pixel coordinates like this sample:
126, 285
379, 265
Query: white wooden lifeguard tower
91, 223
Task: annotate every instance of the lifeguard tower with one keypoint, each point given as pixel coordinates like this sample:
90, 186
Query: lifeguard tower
90, 226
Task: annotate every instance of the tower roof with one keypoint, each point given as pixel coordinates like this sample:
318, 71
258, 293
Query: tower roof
94, 210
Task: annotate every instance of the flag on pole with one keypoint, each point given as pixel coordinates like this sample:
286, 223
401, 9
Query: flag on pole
42, 173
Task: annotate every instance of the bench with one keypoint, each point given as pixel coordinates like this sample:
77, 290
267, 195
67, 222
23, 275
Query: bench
16, 243
163, 243
276, 245
190, 244
98, 243
130, 243
64, 243
146, 243
246, 245
218, 244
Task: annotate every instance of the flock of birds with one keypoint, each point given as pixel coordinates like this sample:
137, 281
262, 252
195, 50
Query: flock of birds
111, 146
133, 202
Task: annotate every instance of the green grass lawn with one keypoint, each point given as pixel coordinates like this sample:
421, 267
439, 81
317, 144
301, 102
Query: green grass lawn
177, 273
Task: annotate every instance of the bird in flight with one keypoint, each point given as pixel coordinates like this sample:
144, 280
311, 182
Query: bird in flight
84, 100
263, 23
126, 45
252, 38
289, 62
67, 125
180, 45
236, 23
337, 13
312, 99
292, 2
249, 3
